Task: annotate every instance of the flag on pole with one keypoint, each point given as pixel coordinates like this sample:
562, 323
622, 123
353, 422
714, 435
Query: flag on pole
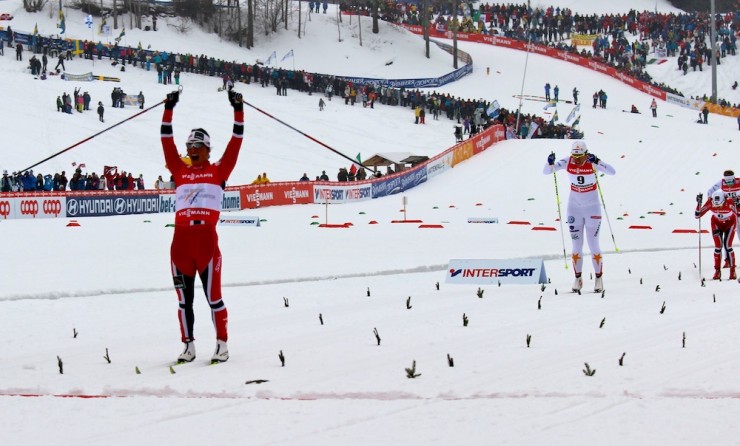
89, 21
61, 25
554, 118
359, 160
577, 121
123, 33
573, 113
532, 129
269, 59
493, 110
550, 104
36, 30
287, 55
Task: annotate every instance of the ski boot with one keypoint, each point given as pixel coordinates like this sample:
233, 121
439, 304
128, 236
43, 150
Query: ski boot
598, 285
732, 273
578, 284
221, 354
187, 355
717, 275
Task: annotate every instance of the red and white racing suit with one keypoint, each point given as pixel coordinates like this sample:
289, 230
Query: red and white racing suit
731, 190
194, 250
584, 208
724, 224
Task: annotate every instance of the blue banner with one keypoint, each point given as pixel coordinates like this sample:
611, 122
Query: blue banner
102, 206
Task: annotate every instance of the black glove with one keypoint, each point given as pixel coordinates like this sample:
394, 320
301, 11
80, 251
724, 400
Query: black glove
236, 101
699, 199
172, 99
551, 158
593, 159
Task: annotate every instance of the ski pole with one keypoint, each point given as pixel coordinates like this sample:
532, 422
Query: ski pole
93, 136
307, 136
699, 199
606, 214
560, 217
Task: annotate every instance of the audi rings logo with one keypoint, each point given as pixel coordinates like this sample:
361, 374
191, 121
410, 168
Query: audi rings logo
29, 207
4, 209
73, 207
52, 207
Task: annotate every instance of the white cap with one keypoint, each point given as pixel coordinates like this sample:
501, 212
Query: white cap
199, 135
578, 148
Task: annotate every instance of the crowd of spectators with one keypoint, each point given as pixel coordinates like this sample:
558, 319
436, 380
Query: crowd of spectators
656, 33
686, 34
110, 179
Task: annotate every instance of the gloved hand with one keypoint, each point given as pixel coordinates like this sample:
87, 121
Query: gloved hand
236, 101
172, 99
551, 158
699, 199
593, 159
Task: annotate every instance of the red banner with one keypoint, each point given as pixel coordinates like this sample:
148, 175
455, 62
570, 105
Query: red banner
276, 194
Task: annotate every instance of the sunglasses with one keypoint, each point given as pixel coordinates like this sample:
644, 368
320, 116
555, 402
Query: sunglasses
195, 145
578, 156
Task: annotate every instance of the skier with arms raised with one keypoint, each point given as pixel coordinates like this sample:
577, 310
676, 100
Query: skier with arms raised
584, 206
198, 195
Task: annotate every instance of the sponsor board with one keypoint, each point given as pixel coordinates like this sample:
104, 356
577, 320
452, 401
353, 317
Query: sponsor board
32, 207
439, 165
238, 220
101, 206
493, 271
400, 182
275, 194
387, 186
484, 220
323, 193
167, 203
231, 201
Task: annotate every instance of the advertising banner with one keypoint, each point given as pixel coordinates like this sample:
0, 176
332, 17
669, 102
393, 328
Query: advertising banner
491, 271
18, 205
101, 206
238, 220
275, 194
342, 192
439, 164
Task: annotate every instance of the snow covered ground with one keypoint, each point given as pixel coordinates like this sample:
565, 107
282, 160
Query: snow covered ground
108, 280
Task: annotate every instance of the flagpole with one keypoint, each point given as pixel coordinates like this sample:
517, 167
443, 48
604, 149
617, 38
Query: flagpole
521, 91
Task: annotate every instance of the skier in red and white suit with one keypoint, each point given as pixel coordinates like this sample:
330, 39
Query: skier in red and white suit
198, 195
584, 206
724, 223
731, 187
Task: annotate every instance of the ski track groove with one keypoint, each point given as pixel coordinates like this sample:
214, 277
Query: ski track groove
390, 272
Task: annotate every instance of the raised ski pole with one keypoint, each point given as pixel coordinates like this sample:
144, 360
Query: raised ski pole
307, 135
606, 213
97, 134
560, 217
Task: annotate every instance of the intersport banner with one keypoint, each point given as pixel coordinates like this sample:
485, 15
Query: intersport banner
342, 192
275, 194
